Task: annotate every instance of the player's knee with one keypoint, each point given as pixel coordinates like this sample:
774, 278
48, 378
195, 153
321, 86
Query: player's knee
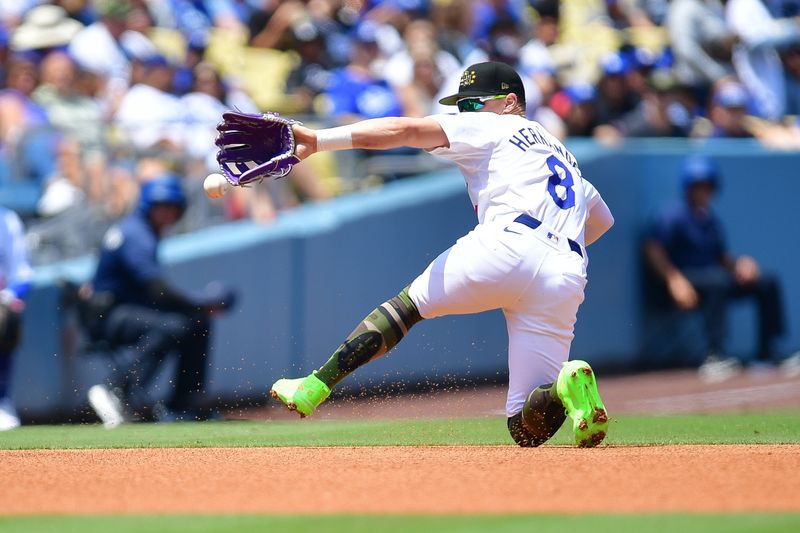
405, 308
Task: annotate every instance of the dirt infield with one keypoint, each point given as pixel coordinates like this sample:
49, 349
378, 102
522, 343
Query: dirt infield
457, 479
446, 479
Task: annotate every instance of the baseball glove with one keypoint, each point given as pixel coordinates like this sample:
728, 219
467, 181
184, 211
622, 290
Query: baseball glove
253, 147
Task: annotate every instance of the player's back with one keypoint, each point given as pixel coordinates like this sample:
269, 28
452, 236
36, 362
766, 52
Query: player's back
513, 165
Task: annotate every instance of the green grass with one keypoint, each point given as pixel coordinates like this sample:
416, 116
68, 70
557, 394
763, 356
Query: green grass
735, 523
748, 428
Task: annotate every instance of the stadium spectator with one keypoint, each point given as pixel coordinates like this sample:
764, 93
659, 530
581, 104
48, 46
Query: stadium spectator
453, 20
149, 115
74, 114
728, 111
419, 40
184, 70
269, 26
701, 41
688, 252
640, 64
636, 13
15, 276
24, 128
105, 48
575, 104
18, 112
488, 14
535, 58
138, 308
197, 17
4, 52
663, 112
791, 63
756, 58
418, 69
614, 98
418, 95
203, 107
354, 92
309, 78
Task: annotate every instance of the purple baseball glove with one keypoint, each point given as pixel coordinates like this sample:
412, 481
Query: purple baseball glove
254, 147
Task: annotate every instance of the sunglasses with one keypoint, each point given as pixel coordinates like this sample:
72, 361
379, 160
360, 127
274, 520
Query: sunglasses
474, 103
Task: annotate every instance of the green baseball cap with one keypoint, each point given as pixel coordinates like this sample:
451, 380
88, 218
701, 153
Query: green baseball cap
487, 79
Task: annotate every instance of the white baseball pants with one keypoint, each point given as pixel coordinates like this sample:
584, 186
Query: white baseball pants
532, 275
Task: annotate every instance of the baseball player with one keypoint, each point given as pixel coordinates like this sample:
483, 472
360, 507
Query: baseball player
15, 282
526, 256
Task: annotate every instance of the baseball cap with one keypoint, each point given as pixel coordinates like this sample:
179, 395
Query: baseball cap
699, 169
163, 189
614, 64
642, 59
490, 78
580, 93
154, 60
366, 32
731, 95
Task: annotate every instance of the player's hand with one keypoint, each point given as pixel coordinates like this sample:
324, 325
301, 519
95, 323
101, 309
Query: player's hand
305, 141
746, 270
683, 292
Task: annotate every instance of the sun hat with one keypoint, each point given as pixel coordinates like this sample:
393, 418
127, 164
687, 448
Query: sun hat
45, 26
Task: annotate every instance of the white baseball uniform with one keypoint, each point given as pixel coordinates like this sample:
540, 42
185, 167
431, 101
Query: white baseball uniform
512, 167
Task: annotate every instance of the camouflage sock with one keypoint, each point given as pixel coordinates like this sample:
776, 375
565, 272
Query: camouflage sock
541, 417
378, 333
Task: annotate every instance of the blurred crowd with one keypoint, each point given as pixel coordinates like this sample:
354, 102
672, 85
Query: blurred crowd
98, 96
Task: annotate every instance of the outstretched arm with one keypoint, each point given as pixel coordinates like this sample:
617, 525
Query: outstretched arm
373, 134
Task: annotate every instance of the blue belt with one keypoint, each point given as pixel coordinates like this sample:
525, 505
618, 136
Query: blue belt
534, 223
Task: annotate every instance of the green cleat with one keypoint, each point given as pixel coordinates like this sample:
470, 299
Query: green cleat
577, 390
303, 395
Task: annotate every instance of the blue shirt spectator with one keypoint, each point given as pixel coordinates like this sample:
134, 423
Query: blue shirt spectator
129, 262
353, 92
140, 309
692, 238
688, 253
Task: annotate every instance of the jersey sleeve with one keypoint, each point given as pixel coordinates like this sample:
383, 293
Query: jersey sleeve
467, 135
591, 194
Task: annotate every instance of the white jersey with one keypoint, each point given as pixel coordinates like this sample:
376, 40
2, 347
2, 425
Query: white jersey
512, 165
14, 267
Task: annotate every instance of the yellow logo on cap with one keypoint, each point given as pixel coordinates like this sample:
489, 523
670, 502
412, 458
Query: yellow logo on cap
468, 78
504, 85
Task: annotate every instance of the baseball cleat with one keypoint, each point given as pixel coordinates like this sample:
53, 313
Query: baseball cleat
577, 390
303, 395
107, 405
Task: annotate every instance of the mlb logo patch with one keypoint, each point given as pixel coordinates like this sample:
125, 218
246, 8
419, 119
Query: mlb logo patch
552, 237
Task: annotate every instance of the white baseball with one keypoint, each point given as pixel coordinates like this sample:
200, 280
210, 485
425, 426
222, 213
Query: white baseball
215, 185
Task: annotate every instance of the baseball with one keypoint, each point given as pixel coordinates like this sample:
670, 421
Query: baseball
215, 185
